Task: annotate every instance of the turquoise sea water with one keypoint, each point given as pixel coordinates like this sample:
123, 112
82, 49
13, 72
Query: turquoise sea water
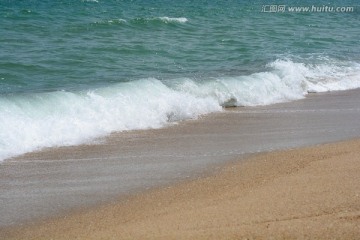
71, 71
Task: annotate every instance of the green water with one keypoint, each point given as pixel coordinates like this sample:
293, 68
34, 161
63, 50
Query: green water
65, 45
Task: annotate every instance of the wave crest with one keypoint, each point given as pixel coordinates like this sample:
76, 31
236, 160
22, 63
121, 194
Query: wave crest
31, 121
170, 20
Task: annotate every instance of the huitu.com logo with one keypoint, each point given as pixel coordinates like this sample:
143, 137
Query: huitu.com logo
311, 9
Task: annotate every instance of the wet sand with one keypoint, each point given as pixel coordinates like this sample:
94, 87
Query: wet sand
58, 181
307, 193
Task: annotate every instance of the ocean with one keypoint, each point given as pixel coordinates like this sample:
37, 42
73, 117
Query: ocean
74, 71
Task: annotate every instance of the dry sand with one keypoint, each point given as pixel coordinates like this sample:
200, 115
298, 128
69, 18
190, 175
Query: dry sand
308, 193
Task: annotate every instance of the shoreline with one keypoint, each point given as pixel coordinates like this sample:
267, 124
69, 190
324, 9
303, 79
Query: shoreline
50, 183
310, 192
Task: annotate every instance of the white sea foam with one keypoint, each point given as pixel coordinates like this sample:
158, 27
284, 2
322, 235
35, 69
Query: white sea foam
142, 20
32, 121
329, 76
170, 19
119, 20
285, 81
111, 21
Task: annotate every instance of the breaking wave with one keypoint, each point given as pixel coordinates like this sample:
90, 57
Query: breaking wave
29, 122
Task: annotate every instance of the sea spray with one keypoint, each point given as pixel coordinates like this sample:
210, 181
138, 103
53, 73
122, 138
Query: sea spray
31, 121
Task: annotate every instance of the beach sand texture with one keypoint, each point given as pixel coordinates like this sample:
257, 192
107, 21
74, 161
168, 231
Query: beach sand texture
54, 181
99, 191
306, 193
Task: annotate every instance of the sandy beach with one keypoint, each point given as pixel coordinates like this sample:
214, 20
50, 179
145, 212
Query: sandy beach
54, 181
258, 172
306, 193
